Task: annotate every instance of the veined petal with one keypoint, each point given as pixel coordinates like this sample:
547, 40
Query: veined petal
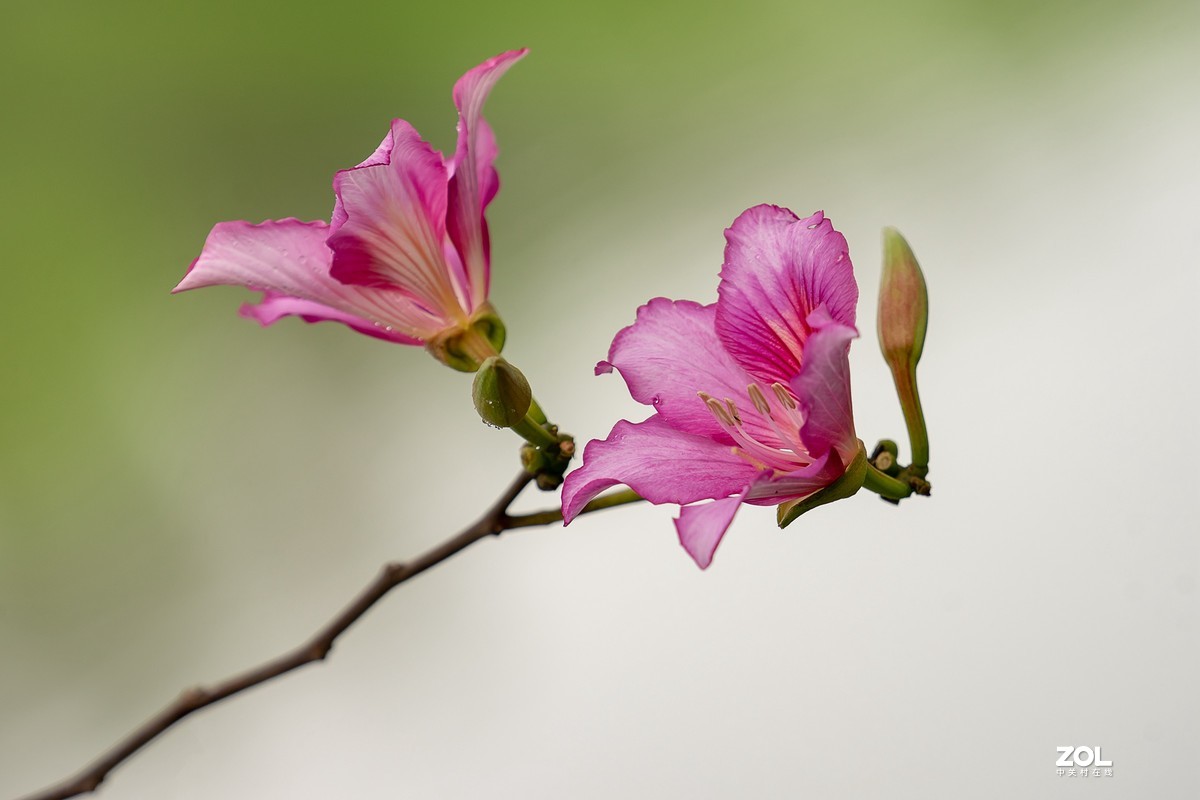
797, 484
823, 388
290, 259
382, 155
669, 354
778, 269
395, 226
274, 307
658, 462
474, 182
702, 526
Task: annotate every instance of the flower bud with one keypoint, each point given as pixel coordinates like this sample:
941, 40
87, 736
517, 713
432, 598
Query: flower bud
903, 315
501, 394
903, 303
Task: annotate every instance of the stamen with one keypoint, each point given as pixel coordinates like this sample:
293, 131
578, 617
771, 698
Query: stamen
750, 448
733, 412
759, 400
785, 397
718, 410
790, 407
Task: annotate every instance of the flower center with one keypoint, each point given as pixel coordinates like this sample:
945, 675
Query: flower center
786, 453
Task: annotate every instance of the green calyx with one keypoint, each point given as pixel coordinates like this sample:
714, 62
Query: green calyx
845, 486
466, 348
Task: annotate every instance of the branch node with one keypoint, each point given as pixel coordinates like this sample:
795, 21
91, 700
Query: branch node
319, 651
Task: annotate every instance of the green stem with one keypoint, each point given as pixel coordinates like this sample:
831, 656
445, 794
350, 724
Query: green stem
914, 417
619, 498
535, 412
885, 485
535, 434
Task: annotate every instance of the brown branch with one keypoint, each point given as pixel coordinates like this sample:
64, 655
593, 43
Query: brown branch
315, 649
494, 521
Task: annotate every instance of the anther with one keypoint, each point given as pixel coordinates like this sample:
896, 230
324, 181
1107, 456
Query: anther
717, 410
759, 399
784, 395
733, 412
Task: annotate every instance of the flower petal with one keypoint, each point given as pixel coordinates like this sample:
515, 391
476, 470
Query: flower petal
382, 155
701, 527
395, 228
669, 354
797, 484
823, 388
658, 462
289, 259
777, 269
474, 182
274, 307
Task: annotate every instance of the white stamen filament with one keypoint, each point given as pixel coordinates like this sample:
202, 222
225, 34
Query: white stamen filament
764, 408
730, 421
790, 407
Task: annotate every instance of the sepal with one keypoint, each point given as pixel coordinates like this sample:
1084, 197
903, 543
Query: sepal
847, 485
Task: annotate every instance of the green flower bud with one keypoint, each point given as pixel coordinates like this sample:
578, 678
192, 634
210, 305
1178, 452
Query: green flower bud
903, 303
501, 394
903, 316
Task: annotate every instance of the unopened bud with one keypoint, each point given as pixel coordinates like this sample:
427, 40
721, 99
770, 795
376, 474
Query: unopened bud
903, 316
903, 302
501, 394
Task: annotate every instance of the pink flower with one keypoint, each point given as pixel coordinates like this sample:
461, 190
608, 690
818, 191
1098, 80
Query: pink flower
405, 257
751, 393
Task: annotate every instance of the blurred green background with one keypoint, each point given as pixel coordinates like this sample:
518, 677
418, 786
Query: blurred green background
183, 494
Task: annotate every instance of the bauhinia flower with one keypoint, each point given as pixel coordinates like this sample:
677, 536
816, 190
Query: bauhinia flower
751, 394
406, 255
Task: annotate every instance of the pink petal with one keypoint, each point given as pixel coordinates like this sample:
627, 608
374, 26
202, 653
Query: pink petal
382, 155
658, 462
395, 227
275, 307
669, 354
777, 269
795, 485
289, 258
701, 527
475, 182
823, 388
